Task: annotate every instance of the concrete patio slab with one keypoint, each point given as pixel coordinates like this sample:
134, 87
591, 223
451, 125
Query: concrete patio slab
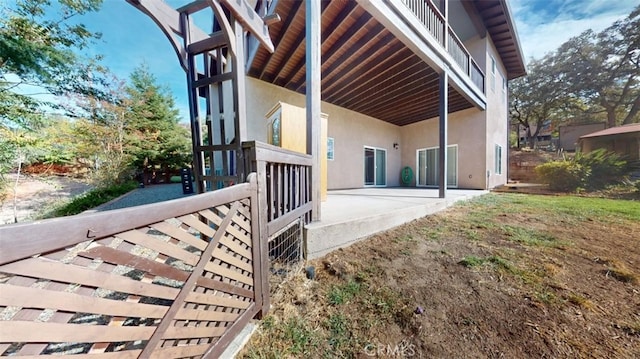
351, 215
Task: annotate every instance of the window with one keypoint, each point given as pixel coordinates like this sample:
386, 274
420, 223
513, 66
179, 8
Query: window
498, 159
504, 89
493, 74
330, 148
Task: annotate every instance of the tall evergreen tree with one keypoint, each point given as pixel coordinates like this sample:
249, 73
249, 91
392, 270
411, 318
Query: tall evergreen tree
155, 140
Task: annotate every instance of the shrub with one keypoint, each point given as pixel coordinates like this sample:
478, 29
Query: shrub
605, 168
91, 199
562, 175
594, 170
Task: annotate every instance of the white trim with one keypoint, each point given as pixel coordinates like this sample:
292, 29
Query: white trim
432, 148
364, 169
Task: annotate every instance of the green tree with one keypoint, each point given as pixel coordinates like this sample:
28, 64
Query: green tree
155, 140
602, 70
101, 136
535, 98
39, 50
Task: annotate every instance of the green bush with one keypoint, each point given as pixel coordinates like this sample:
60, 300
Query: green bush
593, 171
562, 175
91, 199
605, 168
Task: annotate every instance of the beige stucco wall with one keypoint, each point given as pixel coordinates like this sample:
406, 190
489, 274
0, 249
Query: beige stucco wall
497, 121
475, 132
464, 129
350, 130
477, 47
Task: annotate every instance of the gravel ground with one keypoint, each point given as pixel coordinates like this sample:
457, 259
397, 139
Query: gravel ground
35, 193
146, 195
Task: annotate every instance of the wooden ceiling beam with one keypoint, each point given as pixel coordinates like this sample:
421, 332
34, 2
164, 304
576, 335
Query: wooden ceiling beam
296, 45
292, 15
400, 65
330, 30
353, 49
363, 64
421, 90
392, 83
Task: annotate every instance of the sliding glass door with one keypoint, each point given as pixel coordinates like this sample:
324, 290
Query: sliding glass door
427, 174
375, 167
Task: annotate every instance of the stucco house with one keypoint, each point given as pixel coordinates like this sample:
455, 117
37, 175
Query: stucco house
381, 67
368, 87
400, 86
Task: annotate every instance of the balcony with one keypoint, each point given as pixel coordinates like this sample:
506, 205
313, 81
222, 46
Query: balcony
435, 23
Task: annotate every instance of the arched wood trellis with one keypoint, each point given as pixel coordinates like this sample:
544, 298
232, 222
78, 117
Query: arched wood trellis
214, 62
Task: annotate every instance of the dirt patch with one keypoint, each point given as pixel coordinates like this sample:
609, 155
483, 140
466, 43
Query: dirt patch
34, 193
506, 276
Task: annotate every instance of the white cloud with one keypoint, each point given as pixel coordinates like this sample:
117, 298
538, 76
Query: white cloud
544, 25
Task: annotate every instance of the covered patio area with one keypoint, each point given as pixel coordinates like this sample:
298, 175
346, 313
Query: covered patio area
354, 214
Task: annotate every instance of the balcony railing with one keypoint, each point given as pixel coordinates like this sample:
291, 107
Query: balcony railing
434, 22
430, 16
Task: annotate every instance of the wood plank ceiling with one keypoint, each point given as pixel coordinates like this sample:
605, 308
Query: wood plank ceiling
364, 67
497, 20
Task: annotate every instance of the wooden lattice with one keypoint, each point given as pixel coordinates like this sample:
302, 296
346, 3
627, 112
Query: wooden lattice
176, 279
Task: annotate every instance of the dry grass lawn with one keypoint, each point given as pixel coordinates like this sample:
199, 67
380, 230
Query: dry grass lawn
502, 276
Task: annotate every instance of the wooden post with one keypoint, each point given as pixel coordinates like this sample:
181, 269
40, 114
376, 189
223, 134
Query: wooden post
442, 154
239, 98
312, 33
196, 139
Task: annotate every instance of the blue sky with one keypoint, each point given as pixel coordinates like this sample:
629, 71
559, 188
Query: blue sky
543, 25
130, 38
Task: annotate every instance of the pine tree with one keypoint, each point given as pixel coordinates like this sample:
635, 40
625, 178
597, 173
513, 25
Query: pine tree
155, 140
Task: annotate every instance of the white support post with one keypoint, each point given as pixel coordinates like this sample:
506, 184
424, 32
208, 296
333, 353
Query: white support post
313, 99
442, 153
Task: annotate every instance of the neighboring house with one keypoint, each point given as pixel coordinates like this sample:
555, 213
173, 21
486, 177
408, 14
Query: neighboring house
570, 134
380, 78
623, 140
543, 138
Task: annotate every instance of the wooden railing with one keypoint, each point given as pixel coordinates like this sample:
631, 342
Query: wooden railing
287, 195
434, 22
173, 279
429, 16
458, 52
477, 76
